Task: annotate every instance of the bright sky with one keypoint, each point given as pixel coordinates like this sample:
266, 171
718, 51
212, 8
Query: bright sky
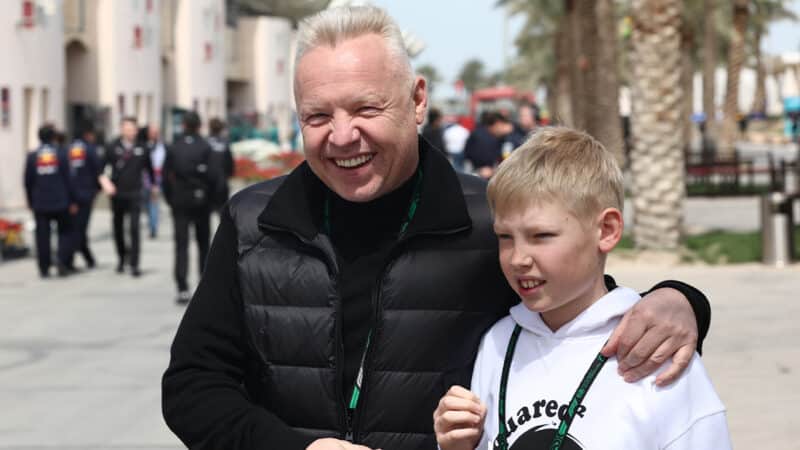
457, 30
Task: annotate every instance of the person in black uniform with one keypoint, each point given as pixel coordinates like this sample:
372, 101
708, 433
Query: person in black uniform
51, 197
85, 168
189, 179
128, 159
222, 158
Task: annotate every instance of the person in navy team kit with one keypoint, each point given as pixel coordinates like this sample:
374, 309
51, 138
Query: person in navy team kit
85, 169
51, 197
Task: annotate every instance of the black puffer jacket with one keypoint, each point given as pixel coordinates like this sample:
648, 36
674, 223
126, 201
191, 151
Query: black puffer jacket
256, 362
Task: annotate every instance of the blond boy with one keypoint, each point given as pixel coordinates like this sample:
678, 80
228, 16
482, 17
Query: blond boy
557, 204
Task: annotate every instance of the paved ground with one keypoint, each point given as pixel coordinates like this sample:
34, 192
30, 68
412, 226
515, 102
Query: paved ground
81, 358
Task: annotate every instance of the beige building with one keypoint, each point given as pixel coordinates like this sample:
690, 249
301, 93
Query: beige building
32, 85
193, 59
259, 71
113, 59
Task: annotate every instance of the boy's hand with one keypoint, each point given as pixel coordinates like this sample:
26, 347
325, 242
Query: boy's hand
458, 420
661, 326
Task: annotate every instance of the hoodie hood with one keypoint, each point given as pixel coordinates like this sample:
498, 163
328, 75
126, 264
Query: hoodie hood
599, 318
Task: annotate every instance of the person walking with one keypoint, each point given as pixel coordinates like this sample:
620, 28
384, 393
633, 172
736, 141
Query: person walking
51, 196
85, 170
222, 157
128, 159
151, 197
189, 180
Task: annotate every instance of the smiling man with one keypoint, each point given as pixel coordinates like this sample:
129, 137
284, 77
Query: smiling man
341, 301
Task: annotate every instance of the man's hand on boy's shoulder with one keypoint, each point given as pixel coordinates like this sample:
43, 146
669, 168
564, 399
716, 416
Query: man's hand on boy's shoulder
458, 420
659, 327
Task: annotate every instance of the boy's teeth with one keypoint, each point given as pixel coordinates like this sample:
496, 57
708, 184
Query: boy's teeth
530, 284
353, 162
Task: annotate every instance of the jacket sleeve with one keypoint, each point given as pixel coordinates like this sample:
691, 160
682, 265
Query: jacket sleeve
30, 178
64, 170
167, 176
699, 303
204, 400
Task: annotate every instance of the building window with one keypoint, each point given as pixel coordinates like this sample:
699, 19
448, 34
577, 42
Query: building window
137, 36
45, 105
28, 14
121, 105
5, 107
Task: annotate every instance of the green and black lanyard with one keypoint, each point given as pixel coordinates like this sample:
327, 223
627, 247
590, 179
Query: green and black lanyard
577, 397
326, 224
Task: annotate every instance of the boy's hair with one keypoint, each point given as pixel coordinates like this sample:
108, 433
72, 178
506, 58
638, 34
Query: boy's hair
558, 164
329, 27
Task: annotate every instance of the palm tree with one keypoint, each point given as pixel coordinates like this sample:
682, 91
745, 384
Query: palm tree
710, 59
736, 54
657, 95
431, 76
472, 75
765, 12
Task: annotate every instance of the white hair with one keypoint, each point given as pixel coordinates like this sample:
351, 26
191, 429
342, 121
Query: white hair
332, 26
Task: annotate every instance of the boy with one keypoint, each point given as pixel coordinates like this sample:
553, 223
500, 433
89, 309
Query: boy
539, 381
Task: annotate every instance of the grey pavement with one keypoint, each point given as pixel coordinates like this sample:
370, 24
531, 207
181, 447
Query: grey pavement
81, 358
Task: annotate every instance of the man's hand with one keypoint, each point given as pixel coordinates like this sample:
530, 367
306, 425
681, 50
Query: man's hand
73, 209
661, 326
334, 444
458, 420
107, 185
154, 191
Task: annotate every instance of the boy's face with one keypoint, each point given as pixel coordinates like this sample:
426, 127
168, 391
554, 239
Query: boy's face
552, 259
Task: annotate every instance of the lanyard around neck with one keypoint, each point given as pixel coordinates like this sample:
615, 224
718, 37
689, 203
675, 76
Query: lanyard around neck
577, 397
326, 227
412, 208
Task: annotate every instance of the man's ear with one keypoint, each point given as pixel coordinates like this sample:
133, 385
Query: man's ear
610, 225
420, 97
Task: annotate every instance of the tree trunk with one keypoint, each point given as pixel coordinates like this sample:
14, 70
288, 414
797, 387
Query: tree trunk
605, 123
760, 98
687, 79
561, 85
735, 62
657, 93
576, 85
709, 65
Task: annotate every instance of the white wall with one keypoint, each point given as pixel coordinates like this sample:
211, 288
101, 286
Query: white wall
200, 57
272, 73
126, 70
37, 58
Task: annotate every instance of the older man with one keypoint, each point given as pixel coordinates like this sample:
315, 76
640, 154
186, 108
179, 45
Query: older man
342, 301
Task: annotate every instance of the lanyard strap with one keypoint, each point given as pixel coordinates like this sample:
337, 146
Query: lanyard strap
326, 226
577, 397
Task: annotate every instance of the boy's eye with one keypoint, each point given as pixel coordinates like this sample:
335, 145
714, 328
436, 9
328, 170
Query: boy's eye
543, 235
502, 236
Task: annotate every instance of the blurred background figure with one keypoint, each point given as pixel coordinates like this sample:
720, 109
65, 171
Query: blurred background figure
190, 179
484, 145
151, 194
222, 158
85, 169
128, 159
455, 138
51, 197
432, 131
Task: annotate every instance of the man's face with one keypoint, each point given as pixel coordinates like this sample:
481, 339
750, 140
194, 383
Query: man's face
501, 128
153, 133
551, 259
128, 131
526, 119
359, 115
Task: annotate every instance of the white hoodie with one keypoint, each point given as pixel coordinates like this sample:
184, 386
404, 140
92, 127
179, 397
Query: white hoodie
548, 366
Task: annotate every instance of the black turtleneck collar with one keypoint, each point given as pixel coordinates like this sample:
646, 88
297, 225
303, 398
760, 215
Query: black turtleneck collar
297, 205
